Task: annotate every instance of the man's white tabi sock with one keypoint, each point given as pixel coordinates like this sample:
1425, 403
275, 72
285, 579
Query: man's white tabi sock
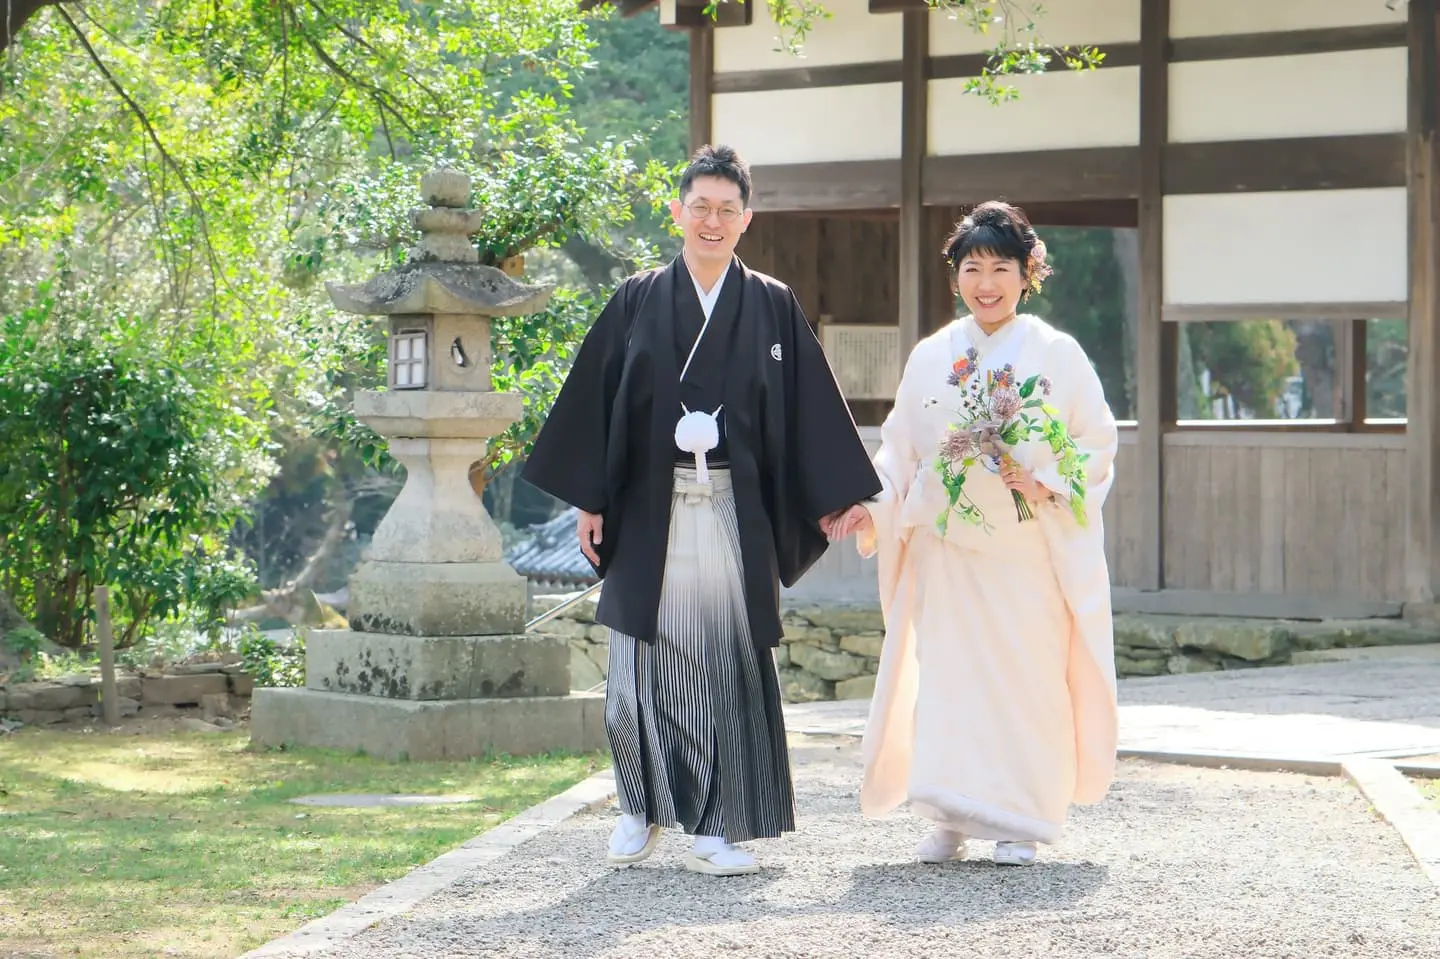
721, 853
630, 835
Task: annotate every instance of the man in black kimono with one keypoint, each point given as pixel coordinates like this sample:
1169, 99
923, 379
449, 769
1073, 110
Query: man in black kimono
706, 444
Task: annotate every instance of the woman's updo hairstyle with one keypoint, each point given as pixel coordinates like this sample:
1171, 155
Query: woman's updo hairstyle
1000, 229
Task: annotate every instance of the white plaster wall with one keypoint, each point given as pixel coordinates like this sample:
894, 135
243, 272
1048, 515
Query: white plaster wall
852, 35
1323, 246
1063, 23
1202, 18
814, 125
1358, 91
1055, 111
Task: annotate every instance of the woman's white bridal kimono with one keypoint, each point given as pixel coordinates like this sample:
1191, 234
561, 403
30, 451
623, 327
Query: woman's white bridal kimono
994, 706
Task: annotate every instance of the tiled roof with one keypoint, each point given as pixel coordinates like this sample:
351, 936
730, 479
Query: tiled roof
551, 553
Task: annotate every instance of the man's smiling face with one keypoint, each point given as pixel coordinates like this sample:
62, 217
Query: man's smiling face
713, 216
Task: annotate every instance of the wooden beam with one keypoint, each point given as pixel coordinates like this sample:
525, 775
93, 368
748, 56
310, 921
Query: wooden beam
799, 78
1287, 43
1116, 214
835, 186
966, 65
1223, 312
1296, 163
1098, 173
1422, 527
691, 15
914, 130
1155, 357
702, 72
1358, 345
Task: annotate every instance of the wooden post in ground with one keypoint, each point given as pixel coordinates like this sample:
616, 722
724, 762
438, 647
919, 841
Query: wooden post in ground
105, 638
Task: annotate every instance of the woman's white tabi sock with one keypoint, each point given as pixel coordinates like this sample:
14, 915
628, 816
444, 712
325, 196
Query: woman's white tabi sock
942, 845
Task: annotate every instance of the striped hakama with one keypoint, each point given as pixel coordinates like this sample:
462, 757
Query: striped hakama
694, 719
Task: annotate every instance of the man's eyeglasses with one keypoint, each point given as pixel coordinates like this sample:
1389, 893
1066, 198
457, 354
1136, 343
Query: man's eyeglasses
702, 211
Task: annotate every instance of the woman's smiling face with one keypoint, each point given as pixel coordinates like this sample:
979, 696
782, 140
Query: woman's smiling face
990, 285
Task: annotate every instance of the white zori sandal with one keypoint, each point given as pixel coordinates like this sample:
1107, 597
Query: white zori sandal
1014, 853
632, 841
716, 857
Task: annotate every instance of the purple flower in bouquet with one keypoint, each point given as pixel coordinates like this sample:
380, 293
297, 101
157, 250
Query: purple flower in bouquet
1005, 403
959, 446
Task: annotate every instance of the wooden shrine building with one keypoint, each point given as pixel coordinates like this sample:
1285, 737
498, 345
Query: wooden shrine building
1267, 158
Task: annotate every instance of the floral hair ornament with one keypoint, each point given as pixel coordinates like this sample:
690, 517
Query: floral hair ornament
1036, 269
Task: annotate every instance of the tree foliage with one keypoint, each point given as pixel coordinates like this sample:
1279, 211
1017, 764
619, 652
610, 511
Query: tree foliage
200, 170
125, 464
1020, 43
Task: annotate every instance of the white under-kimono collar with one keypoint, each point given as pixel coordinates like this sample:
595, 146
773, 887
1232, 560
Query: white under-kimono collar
987, 343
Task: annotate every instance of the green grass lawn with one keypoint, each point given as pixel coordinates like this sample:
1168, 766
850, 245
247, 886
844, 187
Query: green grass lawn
185, 844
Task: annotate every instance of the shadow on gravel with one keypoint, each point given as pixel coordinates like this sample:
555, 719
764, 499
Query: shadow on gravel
628, 903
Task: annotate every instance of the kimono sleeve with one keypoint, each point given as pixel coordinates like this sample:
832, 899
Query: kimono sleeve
829, 465
897, 461
1089, 420
568, 460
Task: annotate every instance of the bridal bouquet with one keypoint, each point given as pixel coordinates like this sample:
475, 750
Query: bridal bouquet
994, 418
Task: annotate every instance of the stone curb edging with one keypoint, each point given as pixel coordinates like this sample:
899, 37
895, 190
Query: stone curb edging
1400, 804
398, 896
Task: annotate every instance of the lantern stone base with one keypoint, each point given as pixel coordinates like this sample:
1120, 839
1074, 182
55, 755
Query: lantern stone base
398, 729
436, 667
437, 599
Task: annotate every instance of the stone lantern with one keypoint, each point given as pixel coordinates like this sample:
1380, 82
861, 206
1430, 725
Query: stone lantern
436, 663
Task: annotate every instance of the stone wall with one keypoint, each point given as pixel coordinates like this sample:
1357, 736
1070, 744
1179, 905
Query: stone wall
825, 654
833, 652
1161, 645
217, 691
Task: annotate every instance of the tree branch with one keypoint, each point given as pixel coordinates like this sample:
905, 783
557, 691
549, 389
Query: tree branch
380, 95
365, 44
167, 160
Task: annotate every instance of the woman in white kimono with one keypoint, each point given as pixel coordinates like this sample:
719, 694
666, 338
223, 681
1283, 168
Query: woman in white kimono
994, 706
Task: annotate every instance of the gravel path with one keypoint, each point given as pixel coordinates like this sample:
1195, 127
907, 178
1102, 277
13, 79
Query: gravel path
1177, 862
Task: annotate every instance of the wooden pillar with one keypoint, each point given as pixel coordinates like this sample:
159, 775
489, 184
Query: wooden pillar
702, 69
914, 124
1422, 433
1155, 353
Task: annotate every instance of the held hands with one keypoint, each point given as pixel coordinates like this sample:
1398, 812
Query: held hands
588, 527
842, 523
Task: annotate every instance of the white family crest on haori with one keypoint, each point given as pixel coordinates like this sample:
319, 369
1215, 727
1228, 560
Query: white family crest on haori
775, 353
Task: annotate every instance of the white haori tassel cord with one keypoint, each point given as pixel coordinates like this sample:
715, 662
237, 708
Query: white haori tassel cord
699, 432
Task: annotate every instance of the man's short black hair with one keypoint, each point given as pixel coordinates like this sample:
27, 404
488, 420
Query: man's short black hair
719, 161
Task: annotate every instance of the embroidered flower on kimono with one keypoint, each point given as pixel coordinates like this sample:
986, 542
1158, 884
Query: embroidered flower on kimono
1005, 403
960, 372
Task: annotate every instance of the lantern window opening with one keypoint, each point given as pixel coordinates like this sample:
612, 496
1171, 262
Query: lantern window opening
407, 359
